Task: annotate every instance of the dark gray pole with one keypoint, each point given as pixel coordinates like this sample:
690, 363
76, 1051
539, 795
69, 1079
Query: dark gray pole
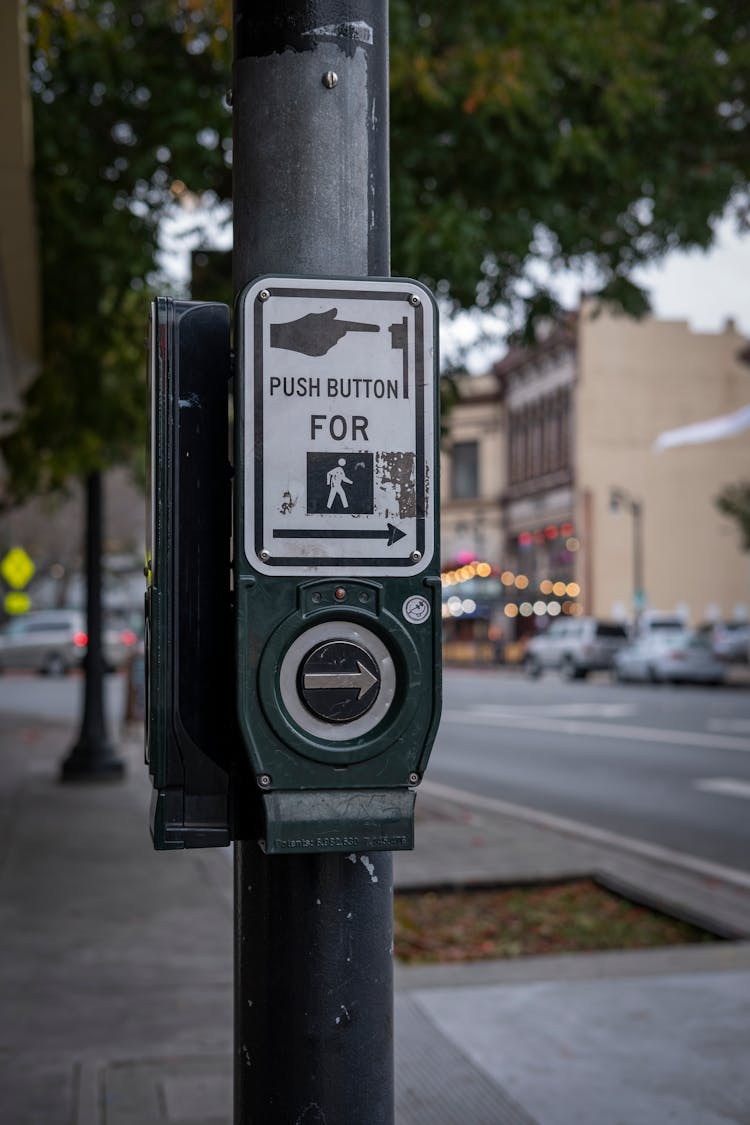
93, 756
639, 592
313, 942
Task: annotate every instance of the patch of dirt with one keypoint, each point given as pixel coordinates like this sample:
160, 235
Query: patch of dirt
572, 917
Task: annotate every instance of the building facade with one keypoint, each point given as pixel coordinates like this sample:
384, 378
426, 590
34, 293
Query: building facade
551, 478
636, 380
539, 499
472, 472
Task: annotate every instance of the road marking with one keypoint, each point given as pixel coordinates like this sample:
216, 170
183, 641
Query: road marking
565, 710
499, 716
729, 726
726, 786
562, 824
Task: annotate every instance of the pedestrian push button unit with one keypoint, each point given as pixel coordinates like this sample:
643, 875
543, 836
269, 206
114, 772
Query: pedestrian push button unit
336, 504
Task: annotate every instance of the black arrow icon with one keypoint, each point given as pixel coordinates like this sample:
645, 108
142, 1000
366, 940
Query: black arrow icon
391, 534
315, 333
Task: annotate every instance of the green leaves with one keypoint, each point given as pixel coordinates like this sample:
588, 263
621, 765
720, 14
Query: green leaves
566, 133
734, 502
127, 99
604, 124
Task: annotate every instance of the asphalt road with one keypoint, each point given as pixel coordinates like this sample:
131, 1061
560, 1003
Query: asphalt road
665, 765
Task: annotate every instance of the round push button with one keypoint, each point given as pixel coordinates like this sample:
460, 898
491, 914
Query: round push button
339, 681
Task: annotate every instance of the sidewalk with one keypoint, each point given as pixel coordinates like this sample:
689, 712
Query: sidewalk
116, 974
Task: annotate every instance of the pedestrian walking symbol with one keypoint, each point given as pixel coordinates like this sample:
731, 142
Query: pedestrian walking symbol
337, 478
340, 484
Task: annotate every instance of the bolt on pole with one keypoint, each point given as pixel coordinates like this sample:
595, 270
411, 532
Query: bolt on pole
313, 933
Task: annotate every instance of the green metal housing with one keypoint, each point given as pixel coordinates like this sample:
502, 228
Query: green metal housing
322, 793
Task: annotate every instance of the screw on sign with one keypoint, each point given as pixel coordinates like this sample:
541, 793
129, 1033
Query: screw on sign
17, 568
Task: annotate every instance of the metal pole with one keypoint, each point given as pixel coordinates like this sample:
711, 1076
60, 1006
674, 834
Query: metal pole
638, 593
93, 756
313, 937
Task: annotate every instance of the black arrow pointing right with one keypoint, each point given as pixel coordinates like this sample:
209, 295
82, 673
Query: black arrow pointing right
391, 534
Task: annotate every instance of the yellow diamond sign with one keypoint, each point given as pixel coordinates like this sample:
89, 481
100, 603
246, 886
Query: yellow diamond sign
17, 603
17, 568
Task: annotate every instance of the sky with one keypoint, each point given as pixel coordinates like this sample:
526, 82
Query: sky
703, 288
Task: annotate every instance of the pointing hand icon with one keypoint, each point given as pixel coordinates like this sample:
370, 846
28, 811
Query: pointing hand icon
315, 333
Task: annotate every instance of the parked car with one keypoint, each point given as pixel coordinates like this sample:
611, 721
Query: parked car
656, 621
685, 657
575, 646
53, 641
731, 642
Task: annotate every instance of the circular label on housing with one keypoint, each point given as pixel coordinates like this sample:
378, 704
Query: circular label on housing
416, 609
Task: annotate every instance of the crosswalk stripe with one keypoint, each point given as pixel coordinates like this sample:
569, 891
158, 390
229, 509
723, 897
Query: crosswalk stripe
503, 717
725, 786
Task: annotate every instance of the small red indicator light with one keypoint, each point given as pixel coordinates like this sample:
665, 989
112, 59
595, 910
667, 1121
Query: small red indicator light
339, 593
80, 640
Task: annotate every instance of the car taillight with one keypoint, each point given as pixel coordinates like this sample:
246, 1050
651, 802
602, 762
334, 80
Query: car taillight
80, 640
676, 654
128, 637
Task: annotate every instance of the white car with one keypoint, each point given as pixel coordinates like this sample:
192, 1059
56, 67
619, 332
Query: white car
685, 657
575, 646
53, 641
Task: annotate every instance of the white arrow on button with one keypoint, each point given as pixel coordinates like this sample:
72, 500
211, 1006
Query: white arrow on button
363, 679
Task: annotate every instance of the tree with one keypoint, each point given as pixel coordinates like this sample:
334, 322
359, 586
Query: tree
599, 134
734, 501
128, 104
124, 100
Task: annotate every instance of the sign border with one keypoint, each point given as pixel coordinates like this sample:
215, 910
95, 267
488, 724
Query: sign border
388, 289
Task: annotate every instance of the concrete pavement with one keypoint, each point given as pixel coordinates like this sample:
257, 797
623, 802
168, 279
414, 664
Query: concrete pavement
116, 973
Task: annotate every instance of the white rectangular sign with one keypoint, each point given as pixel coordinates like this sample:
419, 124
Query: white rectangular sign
338, 391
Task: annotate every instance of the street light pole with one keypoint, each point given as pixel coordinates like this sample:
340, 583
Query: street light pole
93, 757
618, 498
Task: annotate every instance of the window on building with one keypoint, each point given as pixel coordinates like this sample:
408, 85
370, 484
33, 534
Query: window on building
539, 438
465, 470
565, 430
535, 450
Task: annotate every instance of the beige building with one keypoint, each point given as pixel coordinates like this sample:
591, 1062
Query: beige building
635, 381
19, 296
550, 475
472, 473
